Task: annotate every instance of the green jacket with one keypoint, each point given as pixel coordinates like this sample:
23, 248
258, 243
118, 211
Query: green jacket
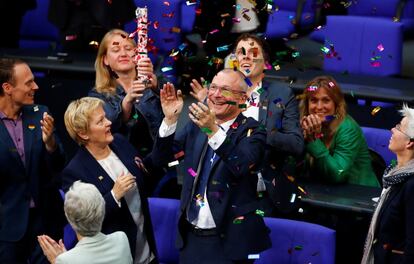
347, 160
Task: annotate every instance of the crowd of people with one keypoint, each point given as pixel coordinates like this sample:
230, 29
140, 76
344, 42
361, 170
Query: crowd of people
243, 139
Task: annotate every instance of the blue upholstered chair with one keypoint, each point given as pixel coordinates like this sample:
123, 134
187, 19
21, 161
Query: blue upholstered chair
298, 242
378, 140
363, 45
36, 31
188, 15
390, 10
164, 217
288, 16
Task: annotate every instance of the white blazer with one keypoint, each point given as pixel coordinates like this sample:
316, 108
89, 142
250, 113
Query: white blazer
99, 249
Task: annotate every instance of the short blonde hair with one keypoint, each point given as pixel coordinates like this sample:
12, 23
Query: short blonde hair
77, 116
105, 81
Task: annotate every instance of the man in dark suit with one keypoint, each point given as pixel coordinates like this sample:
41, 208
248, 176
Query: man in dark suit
29, 152
220, 220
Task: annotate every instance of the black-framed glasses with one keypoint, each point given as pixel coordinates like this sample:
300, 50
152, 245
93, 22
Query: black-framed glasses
224, 90
398, 127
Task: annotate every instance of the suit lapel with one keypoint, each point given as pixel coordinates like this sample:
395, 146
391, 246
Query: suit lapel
264, 103
104, 181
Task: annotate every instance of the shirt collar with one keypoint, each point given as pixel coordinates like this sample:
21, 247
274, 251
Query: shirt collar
4, 117
226, 125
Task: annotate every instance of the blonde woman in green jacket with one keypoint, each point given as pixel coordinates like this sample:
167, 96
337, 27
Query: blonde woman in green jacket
336, 148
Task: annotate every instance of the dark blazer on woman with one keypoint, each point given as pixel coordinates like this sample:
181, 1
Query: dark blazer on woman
394, 235
86, 168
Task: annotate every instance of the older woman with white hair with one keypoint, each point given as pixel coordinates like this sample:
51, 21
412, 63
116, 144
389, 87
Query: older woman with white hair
85, 211
390, 237
113, 165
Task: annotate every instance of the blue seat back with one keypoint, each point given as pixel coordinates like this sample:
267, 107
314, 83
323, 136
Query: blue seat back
356, 40
36, 31
378, 140
298, 242
164, 218
188, 16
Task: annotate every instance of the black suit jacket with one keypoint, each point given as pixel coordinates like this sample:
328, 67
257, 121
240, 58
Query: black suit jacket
35, 179
394, 234
84, 167
231, 188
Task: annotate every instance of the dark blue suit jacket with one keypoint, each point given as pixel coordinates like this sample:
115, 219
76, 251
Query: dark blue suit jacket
395, 226
231, 189
84, 167
19, 183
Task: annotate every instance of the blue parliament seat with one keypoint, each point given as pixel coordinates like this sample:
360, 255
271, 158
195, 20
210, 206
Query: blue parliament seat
378, 140
363, 45
289, 16
298, 242
164, 217
36, 31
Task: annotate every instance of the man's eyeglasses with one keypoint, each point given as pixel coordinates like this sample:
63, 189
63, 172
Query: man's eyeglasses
225, 91
398, 127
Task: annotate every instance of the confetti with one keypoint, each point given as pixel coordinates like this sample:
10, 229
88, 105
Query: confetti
231, 102
206, 130
223, 48
213, 31
329, 118
375, 110
253, 256
192, 172
260, 212
312, 88
189, 3
135, 116
173, 163
166, 3
36, 108
238, 220
175, 29
375, 64
179, 154
292, 198
380, 47
165, 69
298, 247
302, 190
242, 106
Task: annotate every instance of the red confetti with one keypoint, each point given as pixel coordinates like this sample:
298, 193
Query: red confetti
235, 125
156, 24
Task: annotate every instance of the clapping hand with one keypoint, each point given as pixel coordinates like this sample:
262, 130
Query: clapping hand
201, 115
47, 126
311, 126
51, 249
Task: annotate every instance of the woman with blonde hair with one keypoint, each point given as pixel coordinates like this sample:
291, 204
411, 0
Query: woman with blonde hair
113, 165
132, 105
336, 147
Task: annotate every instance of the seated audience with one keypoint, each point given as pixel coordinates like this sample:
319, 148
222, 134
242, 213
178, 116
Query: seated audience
390, 236
133, 109
336, 148
113, 165
85, 211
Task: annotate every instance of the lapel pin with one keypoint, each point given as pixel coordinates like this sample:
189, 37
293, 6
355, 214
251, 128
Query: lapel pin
36, 108
100, 178
31, 127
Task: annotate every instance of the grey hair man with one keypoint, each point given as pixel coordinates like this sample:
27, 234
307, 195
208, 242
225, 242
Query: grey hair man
85, 211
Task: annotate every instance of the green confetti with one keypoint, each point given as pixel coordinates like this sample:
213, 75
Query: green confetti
393, 162
298, 247
206, 130
231, 102
135, 116
243, 106
260, 212
260, 91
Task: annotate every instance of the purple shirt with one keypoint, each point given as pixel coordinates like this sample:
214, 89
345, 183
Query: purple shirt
15, 128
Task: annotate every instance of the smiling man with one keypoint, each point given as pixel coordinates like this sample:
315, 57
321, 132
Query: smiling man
219, 221
29, 151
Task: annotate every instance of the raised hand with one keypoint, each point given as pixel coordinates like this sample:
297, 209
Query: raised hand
171, 102
51, 249
47, 126
199, 91
311, 126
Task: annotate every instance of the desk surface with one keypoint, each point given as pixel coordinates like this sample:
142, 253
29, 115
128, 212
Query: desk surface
372, 87
347, 197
